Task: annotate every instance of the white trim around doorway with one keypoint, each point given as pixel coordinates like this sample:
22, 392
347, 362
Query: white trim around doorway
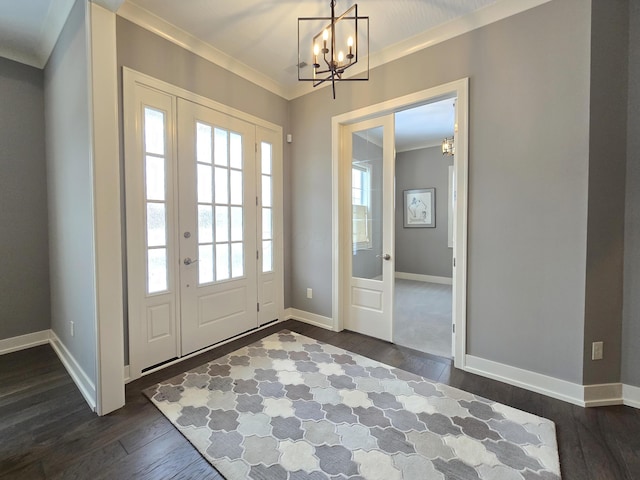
459, 89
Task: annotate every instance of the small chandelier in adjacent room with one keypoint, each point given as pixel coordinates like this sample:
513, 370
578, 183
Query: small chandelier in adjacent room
448, 147
331, 45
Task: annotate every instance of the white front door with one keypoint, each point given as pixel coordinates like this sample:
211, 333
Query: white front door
368, 167
204, 222
217, 224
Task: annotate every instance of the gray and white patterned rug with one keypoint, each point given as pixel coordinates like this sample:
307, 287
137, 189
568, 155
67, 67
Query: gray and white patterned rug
291, 408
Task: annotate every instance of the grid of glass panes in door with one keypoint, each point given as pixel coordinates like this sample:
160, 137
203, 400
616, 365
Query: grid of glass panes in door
220, 204
266, 155
155, 199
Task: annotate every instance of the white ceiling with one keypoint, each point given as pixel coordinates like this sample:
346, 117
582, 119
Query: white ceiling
262, 34
257, 39
425, 126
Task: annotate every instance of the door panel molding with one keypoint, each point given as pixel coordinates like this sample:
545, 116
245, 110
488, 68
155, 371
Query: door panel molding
340, 292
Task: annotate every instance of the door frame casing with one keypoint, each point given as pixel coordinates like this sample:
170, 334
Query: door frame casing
131, 78
460, 90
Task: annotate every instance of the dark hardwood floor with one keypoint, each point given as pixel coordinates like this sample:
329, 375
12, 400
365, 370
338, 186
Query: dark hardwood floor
47, 430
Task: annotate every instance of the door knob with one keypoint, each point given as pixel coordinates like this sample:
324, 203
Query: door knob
188, 261
386, 256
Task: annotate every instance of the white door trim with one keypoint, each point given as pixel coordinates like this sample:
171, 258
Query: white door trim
103, 90
459, 89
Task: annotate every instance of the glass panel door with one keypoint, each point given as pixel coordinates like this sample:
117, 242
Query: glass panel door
368, 208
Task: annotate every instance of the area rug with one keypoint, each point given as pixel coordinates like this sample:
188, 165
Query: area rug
291, 408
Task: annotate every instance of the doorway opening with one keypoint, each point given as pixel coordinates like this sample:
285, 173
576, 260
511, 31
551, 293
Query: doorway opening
423, 293
367, 306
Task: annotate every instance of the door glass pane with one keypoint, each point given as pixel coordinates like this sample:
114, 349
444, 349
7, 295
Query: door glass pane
236, 224
205, 264
266, 191
235, 151
155, 178
222, 185
222, 224
237, 260
220, 147
156, 225
222, 261
236, 187
266, 224
367, 205
266, 158
267, 256
205, 224
153, 131
203, 143
157, 270
204, 184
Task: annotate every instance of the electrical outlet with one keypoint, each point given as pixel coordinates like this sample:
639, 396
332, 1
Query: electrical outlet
597, 350
309, 293
72, 329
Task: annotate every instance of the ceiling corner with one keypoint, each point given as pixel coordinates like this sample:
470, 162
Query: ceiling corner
112, 5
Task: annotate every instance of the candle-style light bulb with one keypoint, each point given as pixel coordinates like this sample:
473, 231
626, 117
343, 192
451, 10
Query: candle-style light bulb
340, 57
325, 37
350, 45
316, 51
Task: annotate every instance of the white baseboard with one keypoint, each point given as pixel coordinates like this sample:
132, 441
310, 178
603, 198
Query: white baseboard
603, 395
582, 395
83, 382
308, 317
631, 396
13, 344
424, 278
535, 382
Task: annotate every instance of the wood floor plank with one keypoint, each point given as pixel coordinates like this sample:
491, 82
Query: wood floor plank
160, 459
200, 469
88, 466
48, 431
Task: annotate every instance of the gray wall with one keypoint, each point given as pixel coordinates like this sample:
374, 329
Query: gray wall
607, 165
423, 251
70, 192
527, 202
631, 312
24, 249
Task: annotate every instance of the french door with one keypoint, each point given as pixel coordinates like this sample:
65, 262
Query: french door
368, 166
204, 248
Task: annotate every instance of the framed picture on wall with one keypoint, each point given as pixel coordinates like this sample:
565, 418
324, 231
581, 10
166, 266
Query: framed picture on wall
420, 208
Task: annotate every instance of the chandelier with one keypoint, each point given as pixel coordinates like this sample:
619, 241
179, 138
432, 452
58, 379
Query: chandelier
331, 45
448, 147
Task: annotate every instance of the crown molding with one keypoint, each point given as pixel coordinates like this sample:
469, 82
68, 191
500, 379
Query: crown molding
492, 13
166, 30
459, 26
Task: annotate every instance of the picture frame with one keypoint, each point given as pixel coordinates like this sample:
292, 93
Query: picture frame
420, 208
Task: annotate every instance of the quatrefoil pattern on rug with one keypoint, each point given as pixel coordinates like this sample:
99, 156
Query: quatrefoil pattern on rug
291, 408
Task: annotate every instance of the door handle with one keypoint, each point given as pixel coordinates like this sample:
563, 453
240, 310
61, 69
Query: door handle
187, 261
386, 256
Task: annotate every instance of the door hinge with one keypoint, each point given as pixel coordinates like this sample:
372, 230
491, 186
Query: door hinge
256, 145
454, 328
454, 262
258, 305
257, 254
